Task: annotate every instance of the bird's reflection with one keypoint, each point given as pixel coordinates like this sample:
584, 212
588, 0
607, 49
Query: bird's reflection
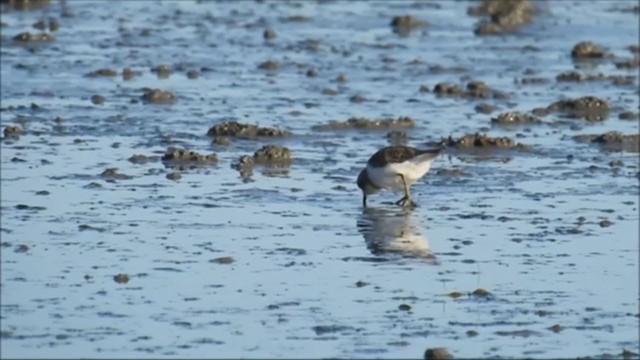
394, 231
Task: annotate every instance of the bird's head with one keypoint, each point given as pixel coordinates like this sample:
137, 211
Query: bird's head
367, 187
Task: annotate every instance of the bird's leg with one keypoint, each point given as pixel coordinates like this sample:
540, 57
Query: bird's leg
364, 200
406, 199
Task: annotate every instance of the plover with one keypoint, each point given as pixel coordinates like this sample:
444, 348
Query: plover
395, 168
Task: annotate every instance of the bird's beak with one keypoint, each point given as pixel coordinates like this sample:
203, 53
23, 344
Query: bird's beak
364, 200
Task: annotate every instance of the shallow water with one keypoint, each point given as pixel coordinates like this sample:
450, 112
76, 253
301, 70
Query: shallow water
313, 275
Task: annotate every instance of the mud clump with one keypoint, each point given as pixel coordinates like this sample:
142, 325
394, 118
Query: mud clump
572, 76
367, 124
533, 80
482, 141
588, 50
224, 260
589, 108
29, 37
405, 23
193, 74
102, 72
613, 141
128, 73
474, 90
485, 108
269, 34
515, 118
157, 96
178, 156
162, 70
448, 89
269, 65
575, 76
504, 16
26, 5
356, 99
481, 293
121, 278
142, 159
98, 99
270, 154
629, 115
174, 176
437, 354
236, 129
113, 174
12, 132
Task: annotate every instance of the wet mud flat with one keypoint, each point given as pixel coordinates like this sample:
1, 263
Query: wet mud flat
178, 179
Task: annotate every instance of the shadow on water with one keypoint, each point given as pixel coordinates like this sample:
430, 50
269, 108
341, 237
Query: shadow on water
394, 232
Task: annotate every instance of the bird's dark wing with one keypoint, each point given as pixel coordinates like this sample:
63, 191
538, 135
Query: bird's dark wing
398, 154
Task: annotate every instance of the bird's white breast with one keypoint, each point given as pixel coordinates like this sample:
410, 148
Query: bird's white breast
387, 176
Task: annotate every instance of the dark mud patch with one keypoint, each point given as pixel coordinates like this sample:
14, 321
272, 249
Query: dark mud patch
511, 118
576, 76
121, 278
187, 159
103, 73
484, 141
331, 329
29, 207
269, 65
269, 34
367, 124
505, 16
157, 96
589, 108
24, 5
236, 129
404, 24
12, 132
272, 154
27, 37
474, 90
113, 174
524, 333
175, 176
224, 260
613, 141
485, 108
437, 354
629, 115
143, 159
588, 50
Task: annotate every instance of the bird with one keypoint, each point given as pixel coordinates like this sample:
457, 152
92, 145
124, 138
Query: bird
395, 168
